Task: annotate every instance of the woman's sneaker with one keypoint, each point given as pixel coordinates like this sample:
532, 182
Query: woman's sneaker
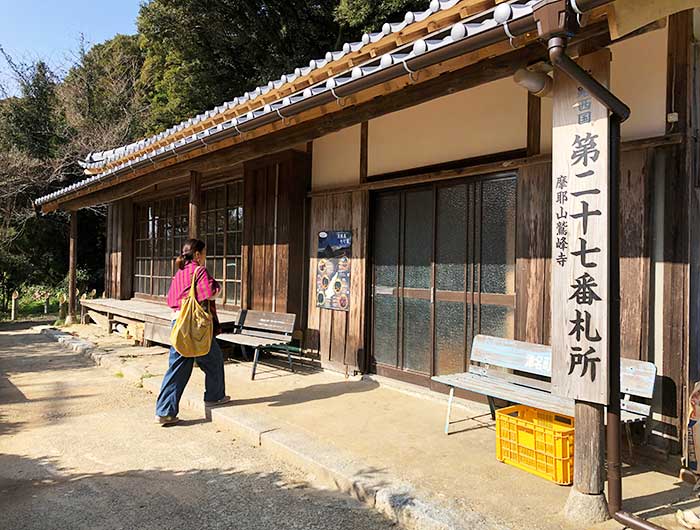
222, 401
166, 421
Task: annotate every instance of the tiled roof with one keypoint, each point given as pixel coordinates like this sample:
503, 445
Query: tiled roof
276, 110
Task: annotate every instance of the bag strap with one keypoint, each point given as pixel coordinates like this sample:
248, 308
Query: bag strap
193, 287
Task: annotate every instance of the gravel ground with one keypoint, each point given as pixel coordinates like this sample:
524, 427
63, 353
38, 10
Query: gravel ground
79, 450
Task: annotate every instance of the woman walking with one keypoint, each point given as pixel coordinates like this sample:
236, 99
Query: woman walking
190, 267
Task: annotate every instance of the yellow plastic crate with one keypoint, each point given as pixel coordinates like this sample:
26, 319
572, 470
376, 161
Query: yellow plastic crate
536, 441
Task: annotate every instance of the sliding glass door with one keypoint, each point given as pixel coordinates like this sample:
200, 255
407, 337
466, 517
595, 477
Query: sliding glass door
443, 271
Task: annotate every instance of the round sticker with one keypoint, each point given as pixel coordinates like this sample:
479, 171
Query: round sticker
338, 286
325, 282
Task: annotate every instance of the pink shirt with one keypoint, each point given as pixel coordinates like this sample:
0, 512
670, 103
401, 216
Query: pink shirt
206, 288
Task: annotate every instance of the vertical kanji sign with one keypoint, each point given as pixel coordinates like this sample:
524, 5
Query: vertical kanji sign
580, 223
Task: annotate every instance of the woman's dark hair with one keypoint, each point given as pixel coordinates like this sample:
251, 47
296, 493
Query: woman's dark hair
188, 252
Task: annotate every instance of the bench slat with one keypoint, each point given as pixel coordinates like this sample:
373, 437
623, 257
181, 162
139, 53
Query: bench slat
500, 389
245, 340
637, 378
279, 322
509, 392
500, 373
512, 354
635, 408
282, 337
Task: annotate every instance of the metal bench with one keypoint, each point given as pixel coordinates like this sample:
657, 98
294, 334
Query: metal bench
520, 372
262, 331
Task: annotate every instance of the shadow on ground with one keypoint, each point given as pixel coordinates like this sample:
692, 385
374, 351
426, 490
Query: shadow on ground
26, 324
37, 495
310, 393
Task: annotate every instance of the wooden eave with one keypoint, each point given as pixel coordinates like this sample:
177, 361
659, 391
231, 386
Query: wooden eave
81, 198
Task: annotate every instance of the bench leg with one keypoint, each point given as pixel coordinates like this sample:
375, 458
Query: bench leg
255, 363
492, 406
630, 445
449, 410
289, 358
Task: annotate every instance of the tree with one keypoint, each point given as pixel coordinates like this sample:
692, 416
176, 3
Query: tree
369, 16
28, 123
200, 54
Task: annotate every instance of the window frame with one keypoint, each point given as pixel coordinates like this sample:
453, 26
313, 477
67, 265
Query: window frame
176, 227
206, 213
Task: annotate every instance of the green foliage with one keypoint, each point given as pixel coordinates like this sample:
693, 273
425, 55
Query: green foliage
368, 15
29, 123
200, 54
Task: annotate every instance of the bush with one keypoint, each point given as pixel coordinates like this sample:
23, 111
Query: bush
32, 298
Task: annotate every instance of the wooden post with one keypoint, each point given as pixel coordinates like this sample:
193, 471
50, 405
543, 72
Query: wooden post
534, 124
15, 296
62, 309
195, 203
364, 151
589, 475
580, 276
72, 264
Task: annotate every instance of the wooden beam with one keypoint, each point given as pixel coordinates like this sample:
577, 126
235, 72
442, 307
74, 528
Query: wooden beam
423, 175
364, 151
534, 124
72, 264
125, 190
195, 203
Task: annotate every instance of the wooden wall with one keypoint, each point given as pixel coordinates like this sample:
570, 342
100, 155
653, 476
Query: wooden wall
533, 251
119, 258
273, 239
338, 337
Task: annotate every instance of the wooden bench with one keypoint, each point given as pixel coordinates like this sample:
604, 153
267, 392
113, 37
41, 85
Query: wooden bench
262, 331
520, 372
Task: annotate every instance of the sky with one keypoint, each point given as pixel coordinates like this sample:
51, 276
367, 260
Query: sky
51, 29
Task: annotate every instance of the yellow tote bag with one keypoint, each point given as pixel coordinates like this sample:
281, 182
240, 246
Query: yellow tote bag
192, 333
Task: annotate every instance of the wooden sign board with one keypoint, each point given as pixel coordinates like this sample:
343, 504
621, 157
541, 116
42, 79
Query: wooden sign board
580, 223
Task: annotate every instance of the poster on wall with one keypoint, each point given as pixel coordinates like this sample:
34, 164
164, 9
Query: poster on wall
333, 270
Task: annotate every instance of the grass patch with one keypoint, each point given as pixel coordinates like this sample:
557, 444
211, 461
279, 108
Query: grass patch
120, 375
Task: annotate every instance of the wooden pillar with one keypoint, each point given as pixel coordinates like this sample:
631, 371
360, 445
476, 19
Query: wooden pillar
72, 264
589, 474
15, 296
195, 203
582, 333
364, 152
534, 124
681, 235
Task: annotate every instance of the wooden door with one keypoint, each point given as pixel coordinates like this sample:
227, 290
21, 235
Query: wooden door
443, 270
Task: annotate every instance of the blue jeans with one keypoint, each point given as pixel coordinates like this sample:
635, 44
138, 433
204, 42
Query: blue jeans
179, 372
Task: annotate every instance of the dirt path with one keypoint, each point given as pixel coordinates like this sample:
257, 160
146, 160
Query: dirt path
79, 450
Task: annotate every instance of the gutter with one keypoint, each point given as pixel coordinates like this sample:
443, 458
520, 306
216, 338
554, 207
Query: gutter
556, 16
506, 21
